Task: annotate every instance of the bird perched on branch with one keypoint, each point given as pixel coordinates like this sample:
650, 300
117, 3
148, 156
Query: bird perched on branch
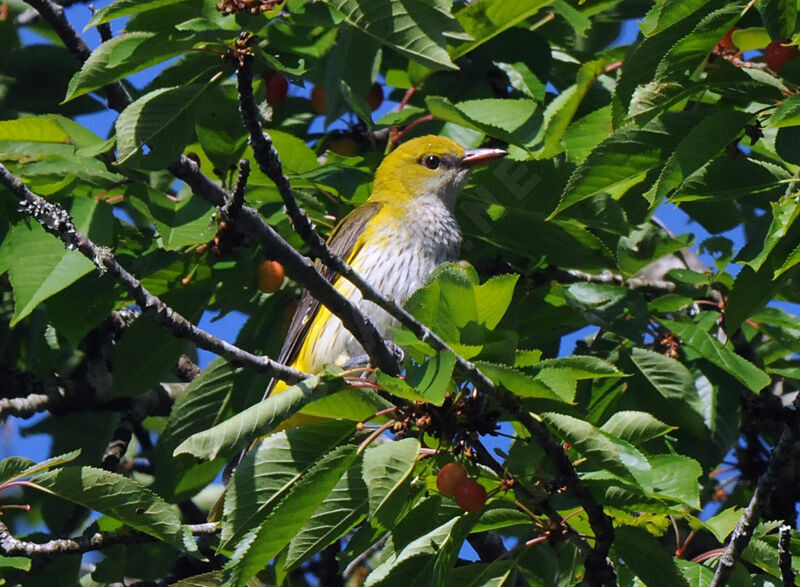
394, 241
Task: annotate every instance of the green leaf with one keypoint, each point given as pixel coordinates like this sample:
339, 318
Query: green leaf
672, 477
786, 114
646, 557
432, 380
345, 506
122, 8
493, 297
751, 291
514, 120
212, 579
522, 79
38, 130
599, 447
720, 355
404, 116
38, 263
635, 427
495, 574
123, 55
234, 433
163, 120
14, 468
582, 366
398, 26
779, 17
560, 112
261, 545
724, 522
750, 38
188, 221
270, 471
673, 381
584, 134
385, 470
613, 167
666, 14
21, 563
676, 23
485, 19
121, 498
351, 404
426, 548
521, 384
453, 299
646, 244
203, 404
613, 307
692, 51
698, 146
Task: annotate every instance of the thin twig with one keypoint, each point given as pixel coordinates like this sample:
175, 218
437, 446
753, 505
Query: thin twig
740, 538
237, 201
11, 546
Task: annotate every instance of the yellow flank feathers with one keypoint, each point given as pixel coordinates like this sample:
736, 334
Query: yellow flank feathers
394, 241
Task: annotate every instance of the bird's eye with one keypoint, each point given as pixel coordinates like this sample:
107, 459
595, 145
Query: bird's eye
431, 161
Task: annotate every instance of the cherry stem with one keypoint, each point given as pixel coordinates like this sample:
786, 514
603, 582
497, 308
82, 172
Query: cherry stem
375, 435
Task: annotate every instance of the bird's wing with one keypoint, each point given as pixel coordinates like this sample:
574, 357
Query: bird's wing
344, 243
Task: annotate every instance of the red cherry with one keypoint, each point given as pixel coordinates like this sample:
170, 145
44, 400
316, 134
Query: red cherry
778, 54
374, 98
318, 99
277, 86
269, 276
450, 476
470, 496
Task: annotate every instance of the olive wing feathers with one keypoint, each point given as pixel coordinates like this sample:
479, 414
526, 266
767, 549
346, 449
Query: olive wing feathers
343, 242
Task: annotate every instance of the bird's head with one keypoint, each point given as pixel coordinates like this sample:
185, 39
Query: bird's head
429, 165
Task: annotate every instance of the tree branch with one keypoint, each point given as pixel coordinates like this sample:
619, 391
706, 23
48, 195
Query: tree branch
11, 546
785, 555
740, 538
56, 221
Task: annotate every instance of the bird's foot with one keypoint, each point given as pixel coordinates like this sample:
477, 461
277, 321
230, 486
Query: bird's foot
363, 360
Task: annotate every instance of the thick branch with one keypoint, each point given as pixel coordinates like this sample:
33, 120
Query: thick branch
55, 220
740, 538
270, 164
11, 546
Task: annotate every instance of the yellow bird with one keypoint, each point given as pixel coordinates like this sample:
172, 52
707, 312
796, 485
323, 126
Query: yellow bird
394, 241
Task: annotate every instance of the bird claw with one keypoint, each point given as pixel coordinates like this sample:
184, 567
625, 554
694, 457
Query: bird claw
363, 360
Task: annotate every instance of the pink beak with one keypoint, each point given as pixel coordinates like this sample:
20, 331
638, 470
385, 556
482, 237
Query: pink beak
477, 157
